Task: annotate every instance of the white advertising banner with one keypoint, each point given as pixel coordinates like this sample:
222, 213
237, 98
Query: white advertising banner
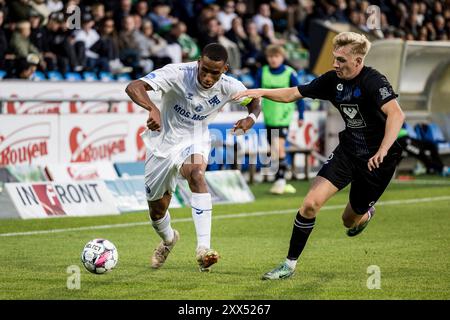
26, 140
109, 137
64, 90
102, 170
51, 199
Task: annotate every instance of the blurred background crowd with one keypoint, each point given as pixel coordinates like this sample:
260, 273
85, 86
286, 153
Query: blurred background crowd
136, 36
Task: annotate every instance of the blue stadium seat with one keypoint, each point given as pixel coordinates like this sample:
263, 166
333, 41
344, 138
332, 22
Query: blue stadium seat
106, 76
55, 76
2, 74
90, 76
72, 76
411, 132
123, 77
39, 76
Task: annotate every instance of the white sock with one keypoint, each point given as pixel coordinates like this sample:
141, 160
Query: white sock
163, 228
291, 263
201, 213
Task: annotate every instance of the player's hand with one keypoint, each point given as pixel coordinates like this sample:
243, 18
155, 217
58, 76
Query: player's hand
251, 93
154, 120
243, 125
377, 159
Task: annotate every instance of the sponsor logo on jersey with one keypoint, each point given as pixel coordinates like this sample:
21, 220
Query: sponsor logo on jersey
339, 87
185, 113
353, 118
214, 101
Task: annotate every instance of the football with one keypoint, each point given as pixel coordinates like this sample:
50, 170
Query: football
99, 256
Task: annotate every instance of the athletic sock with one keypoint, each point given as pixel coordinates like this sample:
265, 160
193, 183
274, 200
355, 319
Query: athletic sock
300, 233
282, 166
201, 214
163, 228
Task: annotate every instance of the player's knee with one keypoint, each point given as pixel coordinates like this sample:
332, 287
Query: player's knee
197, 177
156, 214
310, 208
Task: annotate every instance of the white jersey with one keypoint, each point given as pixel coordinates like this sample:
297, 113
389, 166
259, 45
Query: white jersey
187, 107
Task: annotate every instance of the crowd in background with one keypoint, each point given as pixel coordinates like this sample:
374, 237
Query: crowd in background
137, 36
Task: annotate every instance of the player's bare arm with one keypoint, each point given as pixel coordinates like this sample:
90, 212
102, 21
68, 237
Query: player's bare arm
254, 109
280, 95
137, 91
394, 121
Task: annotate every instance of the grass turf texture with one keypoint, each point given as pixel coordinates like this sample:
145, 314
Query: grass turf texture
410, 243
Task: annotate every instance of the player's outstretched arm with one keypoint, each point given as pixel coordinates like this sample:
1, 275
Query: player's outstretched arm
137, 91
281, 95
394, 121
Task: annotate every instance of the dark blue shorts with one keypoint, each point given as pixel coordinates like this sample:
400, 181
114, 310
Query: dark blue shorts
342, 169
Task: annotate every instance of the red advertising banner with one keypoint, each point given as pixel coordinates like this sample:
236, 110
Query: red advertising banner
28, 139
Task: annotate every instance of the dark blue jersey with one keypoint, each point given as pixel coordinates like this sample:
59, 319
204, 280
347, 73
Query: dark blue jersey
359, 102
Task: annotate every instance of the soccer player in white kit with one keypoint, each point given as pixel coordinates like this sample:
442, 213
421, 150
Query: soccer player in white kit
178, 141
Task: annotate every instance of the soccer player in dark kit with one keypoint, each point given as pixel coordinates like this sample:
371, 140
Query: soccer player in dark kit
367, 153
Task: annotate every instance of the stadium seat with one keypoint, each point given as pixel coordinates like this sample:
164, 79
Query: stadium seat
106, 76
72, 76
39, 76
411, 132
2, 74
90, 76
55, 76
123, 77
431, 132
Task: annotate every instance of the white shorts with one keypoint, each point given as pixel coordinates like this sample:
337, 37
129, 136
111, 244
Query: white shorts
161, 173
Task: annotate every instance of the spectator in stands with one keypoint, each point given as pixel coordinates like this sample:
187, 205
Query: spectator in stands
24, 67
255, 44
60, 43
211, 34
122, 11
227, 15
129, 50
54, 5
189, 48
241, 10
154, 47
161, 18
98, 13
20, 43
277, 115
107, 46
41, 7
141, 9
263, 18
88, 36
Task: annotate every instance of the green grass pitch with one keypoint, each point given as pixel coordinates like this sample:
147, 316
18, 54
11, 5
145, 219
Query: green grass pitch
409, 240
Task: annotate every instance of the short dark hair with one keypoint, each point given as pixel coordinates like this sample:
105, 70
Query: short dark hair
216, 52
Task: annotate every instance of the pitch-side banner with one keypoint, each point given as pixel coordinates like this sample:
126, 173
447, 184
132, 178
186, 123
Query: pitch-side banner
22, 91
26, 140
106, 137
81, 171
50, 199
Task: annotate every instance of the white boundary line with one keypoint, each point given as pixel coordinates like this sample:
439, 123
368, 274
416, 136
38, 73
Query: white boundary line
228, 216
424, 182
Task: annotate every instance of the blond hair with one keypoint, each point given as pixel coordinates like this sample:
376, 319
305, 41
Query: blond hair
358, 43
274, 49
